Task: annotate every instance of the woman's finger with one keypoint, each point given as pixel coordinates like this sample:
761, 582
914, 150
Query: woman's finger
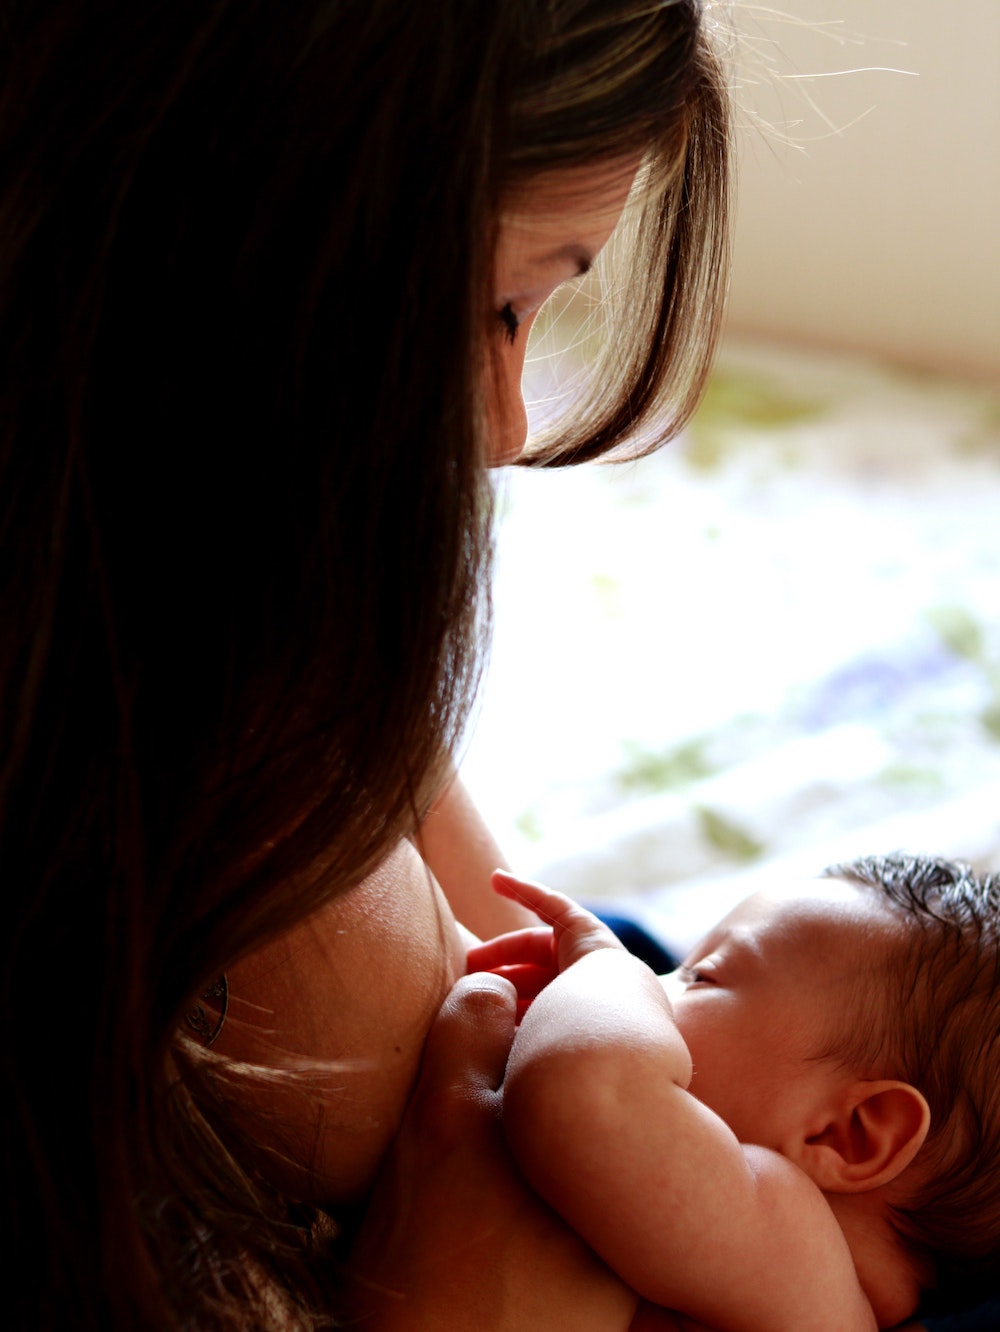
453, 1237
527, 980
468, 1043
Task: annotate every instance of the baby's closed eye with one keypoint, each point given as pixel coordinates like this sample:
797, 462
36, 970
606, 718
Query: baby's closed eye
700, 973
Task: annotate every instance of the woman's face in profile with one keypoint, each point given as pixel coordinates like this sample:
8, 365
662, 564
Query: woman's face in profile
551, 230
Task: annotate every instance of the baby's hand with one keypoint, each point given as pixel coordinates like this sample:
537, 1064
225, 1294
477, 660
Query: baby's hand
531, 958
527, 958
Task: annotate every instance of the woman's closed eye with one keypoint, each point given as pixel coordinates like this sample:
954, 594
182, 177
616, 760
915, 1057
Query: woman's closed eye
509, 321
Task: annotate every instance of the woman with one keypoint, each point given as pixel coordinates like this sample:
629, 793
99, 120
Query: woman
267, 275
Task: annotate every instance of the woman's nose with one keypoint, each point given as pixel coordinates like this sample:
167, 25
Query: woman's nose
508, 416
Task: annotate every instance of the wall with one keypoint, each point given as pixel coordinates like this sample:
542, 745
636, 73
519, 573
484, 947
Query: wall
883, 235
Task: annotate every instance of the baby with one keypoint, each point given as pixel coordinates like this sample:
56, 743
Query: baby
799, 1127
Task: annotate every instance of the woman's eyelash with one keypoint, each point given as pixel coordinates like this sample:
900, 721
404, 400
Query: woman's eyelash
510, 322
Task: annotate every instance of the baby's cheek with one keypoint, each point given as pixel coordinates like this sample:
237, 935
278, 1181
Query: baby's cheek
696, 1033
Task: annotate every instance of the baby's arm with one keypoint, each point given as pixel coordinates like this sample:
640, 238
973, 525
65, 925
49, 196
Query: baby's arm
599, 1119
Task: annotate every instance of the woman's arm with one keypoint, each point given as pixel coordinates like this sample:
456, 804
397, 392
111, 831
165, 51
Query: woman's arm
462, 854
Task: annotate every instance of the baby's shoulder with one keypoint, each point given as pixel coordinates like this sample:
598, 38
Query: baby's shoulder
805, 1229
794, 1207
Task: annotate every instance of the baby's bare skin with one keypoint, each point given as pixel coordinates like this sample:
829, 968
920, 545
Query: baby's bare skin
725, 1232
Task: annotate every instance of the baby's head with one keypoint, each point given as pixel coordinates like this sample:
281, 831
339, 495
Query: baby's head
939, 1029
827, 1020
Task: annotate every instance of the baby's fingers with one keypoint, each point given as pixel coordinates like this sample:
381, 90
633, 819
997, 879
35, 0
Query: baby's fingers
532, 946
527, 958
577, 930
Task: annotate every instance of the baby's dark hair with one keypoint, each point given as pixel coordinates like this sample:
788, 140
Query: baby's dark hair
940, 1031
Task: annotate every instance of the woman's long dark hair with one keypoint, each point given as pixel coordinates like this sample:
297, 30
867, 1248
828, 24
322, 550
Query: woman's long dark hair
244, 541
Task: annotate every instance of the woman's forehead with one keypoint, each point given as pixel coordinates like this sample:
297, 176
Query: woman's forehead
571, 189
569, 207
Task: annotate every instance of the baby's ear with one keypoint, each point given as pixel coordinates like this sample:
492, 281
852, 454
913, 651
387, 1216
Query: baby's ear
870, 1139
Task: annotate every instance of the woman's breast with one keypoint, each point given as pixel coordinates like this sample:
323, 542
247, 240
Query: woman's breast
335, 1014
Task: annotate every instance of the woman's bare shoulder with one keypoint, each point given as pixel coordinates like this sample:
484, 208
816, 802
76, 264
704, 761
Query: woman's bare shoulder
341, 1005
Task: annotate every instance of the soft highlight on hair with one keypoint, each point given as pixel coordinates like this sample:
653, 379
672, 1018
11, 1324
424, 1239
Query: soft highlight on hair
663, 278
935, 996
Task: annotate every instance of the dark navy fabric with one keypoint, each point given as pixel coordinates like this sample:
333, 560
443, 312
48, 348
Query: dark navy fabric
984, 1319
641, 943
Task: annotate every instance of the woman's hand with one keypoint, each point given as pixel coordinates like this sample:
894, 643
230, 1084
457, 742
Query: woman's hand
454, 1238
